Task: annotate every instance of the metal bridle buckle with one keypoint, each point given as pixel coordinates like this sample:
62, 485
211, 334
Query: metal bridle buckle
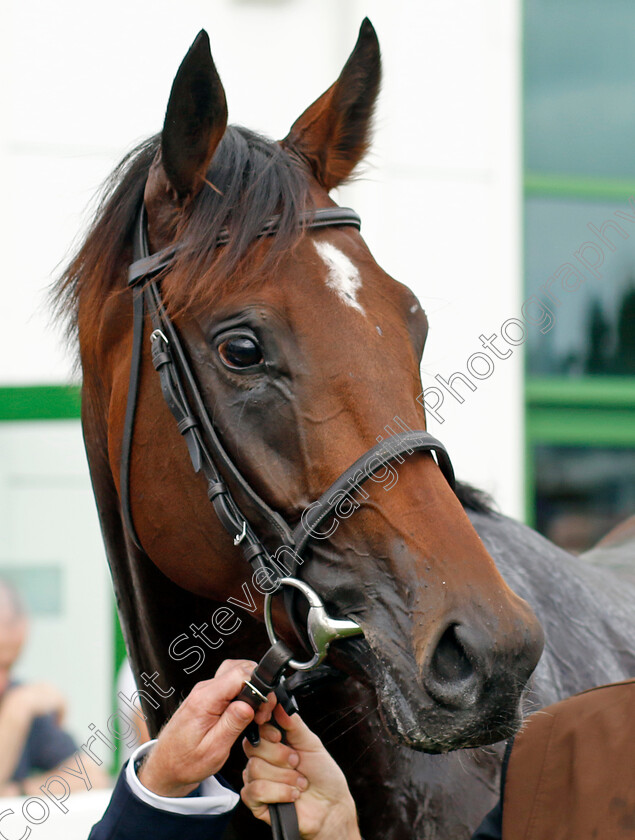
321, 628
240, 537
258, 694
156, 334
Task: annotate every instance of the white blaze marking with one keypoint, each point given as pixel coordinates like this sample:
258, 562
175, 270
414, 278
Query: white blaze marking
342, 275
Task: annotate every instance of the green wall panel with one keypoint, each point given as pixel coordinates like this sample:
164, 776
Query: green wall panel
40, 402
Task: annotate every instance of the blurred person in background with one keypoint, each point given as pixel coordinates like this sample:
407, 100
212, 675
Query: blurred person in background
32, 742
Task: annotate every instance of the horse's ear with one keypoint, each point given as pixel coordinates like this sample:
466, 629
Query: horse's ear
333, 134
195, 120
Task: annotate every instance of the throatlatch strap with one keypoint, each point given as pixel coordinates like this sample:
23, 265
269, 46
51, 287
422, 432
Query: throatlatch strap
131, 405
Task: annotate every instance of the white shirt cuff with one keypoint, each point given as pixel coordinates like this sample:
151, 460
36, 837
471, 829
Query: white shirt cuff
215, 798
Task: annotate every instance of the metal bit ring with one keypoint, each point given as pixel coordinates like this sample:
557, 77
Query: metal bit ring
321, 628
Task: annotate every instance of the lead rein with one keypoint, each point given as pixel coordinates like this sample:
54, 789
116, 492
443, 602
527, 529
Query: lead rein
268, 676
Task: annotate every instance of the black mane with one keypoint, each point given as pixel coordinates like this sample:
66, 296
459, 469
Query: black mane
474, 499
250, 178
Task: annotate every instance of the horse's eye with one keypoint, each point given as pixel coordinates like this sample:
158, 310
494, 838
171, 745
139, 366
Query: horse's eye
240, 352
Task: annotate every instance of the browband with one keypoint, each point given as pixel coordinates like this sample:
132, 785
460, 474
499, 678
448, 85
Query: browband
147, 265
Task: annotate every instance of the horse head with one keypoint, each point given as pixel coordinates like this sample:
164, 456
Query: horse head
306, 353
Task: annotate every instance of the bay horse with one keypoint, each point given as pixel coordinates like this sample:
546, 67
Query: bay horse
305, 352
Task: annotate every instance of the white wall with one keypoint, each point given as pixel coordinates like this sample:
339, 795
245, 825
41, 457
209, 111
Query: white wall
442, 208
51, 547
440, 201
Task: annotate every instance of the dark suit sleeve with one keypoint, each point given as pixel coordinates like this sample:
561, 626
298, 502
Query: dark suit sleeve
492, 826
128, 818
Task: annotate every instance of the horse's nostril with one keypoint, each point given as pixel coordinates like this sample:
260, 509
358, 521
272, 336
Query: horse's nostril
450, 662
451, 678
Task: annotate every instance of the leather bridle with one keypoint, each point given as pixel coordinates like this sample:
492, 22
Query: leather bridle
209, 457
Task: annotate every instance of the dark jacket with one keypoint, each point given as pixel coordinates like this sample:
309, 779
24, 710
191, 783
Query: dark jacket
128, 818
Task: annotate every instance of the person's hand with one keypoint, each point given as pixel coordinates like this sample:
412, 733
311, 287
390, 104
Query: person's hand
196, 741
35, 700
300, 771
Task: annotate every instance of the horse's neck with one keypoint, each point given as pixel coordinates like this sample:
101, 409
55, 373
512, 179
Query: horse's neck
587, 612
